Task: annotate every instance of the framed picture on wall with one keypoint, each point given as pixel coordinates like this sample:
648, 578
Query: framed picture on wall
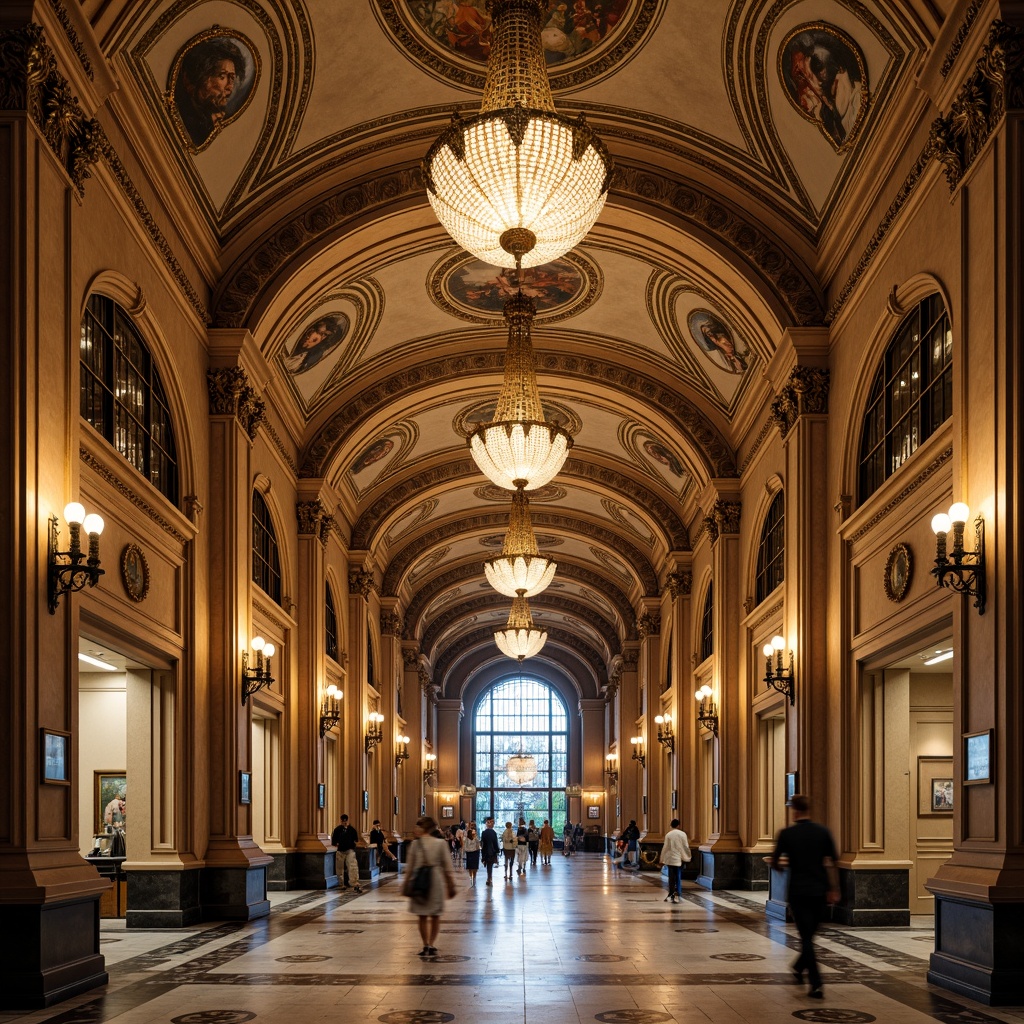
366, 800
593, 811
447, 811
935, 785
977, 757
55, 757
321, 796
790, 785
675, 799
110, 798
245, 787
714, 795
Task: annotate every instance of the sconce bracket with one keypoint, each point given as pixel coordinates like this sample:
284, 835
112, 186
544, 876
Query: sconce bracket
782, 679
255, 679
964, 571
707, 715
668, 740
329, 718
641, 757
68, 571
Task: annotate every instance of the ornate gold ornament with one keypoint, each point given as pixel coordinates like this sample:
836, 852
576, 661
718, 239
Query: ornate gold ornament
135, 572
899, 568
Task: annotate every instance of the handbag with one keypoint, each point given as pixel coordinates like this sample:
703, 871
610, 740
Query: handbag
419, 884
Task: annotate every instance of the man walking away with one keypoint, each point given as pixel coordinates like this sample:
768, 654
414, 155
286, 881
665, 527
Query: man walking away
344, 839
489, 848
533, 841
810, 853
675, 852
522, 846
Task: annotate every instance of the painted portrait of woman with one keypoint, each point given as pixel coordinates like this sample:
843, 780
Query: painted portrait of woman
717, 341
316, 341
660, 453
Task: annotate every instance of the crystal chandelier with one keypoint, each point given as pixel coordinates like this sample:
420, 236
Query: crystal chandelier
517, 448
520, 638
520, 568
517, 184
521, 768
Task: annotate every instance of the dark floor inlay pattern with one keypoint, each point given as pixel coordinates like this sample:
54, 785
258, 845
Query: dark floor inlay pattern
446, 958
632, 1016
601, 958
585, 931
341, 931
107, 939
828, 1015
214, 1017
698, 931
416, 1017
303, 958
924, 938
736, 957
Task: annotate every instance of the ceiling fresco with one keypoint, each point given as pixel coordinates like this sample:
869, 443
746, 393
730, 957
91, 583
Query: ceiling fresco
288, 139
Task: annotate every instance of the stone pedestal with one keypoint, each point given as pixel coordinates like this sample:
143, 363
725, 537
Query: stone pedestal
234, 894
163, 899
877, 898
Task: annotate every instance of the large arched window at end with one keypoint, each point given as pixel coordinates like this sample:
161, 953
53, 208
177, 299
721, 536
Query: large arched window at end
707, 624
330, 625
912, 394
266, 564
771, 553
121, 395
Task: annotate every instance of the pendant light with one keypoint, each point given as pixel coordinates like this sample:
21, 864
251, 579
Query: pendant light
520, 568
520, 638
521, 768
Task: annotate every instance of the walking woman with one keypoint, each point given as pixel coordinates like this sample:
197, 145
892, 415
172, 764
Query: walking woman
508, 849
431, 852
547, 842
471, 846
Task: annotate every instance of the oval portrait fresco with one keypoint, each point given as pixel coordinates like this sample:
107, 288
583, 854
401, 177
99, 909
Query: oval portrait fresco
211, 82
825, 77
582, 39
315, 341
717, 341
473, 290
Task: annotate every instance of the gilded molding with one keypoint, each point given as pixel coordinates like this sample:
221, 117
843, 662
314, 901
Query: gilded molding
102, 470
806, 393
630, 659
29, 80
64, 19
724, 518
995, 86
391, 624
361, 583
231, 395
972, 12
762, 434
679, 583
648, 625
279, 445
771, 612
314, 520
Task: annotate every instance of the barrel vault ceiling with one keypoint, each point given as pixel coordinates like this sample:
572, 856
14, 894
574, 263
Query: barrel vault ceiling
307, 215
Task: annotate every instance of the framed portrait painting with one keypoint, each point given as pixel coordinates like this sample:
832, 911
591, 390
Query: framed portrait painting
110, 798
447, 811
978, 757
55, 757
935, 785
791, 778
593, 811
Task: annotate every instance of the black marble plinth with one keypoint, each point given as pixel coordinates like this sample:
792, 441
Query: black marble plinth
978, 949
367, 858
777, 906
878, 899
730, 870
163, 899
51, 952
233, 894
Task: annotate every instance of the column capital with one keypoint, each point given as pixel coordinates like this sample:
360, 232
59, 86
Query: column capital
231, 395
392, 623
805, 394
723, 518
314, 520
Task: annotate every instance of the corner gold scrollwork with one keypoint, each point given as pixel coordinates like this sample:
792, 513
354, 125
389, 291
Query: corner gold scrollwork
806, 393
724, 517
231, 395
361, 582
314, 520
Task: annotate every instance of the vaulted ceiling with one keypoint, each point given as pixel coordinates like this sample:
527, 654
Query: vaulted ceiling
305, 211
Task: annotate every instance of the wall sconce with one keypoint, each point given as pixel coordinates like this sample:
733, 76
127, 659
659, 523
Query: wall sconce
65, 571
330, 709
665, 734
638, 750
611, 771
373, 730
574, 790
401, 750
707, 713
963, 571
430, 772
256, 678
779, 678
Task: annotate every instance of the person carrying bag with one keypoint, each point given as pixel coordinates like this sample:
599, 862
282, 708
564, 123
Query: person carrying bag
429, 881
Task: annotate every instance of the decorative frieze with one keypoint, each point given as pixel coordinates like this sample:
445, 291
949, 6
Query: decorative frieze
723, 518
231, 395
995, 86
806, 393
648, 625
29, 80
361, 582
679, 583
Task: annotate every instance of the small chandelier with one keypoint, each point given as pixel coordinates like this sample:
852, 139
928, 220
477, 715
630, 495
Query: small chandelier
517, 184
520, 639
521, 768
520, 568
517, 448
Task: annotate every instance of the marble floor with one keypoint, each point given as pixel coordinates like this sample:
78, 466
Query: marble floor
576, 941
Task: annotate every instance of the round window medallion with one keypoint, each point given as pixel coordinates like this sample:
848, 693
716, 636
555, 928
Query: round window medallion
135, 572
899, 567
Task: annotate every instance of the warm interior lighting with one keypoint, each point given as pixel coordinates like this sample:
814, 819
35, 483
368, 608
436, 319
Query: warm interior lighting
940, 656
520, 568
520, 639
517, 184
521, 768
96, 663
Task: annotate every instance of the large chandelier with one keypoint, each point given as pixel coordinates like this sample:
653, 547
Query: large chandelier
520, 639
517, 449
520, 568
521, 768
517, 184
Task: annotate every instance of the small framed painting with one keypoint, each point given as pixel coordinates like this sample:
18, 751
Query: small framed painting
593, 811
55, 757
366, 800
245, 787
110, 798
447, 811
791, 778
715, 795
935, 785
321, 795
978, 757
675, 799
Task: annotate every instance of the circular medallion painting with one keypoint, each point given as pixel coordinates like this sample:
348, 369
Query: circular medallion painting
583, 40
473, 290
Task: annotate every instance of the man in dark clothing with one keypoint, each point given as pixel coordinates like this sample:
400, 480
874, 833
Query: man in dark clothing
489, 848
344, 839
631, 834
380, 842
809, 851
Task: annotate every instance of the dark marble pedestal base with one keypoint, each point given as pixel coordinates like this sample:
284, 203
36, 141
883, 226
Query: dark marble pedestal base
367, 858
233, 894
315, 870
874, 898
777, 906
163, 899
978, 950
731, 870
51, 953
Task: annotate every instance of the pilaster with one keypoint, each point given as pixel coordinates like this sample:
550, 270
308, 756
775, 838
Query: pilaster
651, 677
677, 612
632, 774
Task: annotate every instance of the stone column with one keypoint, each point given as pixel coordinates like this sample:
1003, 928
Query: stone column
723, 862
395, 774
653, 807
632, 774
683, 776
449, 719
979, 891
361, 698
593, 747
234, 879
414, 703
49, 896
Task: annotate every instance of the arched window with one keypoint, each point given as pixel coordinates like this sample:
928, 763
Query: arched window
121, 395
912, 395
521, 714
266, 565
771, 554
707, 624
330, 625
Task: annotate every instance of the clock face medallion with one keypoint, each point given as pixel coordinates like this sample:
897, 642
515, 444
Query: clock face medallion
898, 569
135, 572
